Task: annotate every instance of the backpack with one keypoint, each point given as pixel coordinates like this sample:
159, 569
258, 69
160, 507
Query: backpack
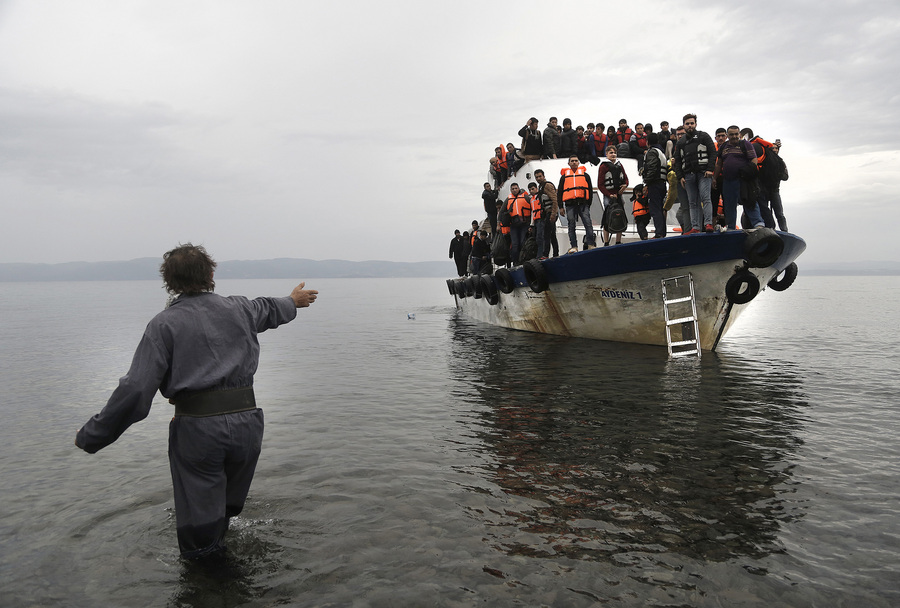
617, 220
529, 250
500, 249
773, 170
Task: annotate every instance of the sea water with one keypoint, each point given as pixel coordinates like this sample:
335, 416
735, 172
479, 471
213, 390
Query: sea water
414, 457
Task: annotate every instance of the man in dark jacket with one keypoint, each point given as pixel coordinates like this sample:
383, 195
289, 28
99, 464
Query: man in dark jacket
201, 353
532, 144
551, 139
458, 253
568, 140
695, 162
654, 173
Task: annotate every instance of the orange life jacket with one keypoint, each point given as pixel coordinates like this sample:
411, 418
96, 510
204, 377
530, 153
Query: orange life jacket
639, 206
765, 147
536, 210
502, 157
519, 206
575, 184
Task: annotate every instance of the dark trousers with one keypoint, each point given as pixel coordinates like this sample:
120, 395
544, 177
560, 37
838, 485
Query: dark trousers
212, 461
657, 196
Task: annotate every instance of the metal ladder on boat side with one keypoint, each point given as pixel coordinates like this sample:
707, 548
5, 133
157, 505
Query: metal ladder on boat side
693, 344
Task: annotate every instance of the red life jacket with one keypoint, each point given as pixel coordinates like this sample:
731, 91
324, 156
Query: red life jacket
624, 136
575, 184
641, 140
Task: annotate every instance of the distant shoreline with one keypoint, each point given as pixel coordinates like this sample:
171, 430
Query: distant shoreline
143, 269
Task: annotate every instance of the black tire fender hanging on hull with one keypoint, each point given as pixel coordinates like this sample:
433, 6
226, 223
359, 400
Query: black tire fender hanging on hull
762, 248
489, 290
741, 287
504, 280
535, 275
787, 279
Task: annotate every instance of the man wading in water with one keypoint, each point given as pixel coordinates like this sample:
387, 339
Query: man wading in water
201, 353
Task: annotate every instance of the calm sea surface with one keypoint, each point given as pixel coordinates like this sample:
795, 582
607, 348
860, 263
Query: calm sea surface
441, 462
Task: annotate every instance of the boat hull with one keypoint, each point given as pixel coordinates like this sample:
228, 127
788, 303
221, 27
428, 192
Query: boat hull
615, 293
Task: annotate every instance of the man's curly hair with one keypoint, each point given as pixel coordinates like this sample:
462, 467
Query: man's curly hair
188, 270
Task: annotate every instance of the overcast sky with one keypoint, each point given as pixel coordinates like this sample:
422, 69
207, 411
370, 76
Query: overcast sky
361, 130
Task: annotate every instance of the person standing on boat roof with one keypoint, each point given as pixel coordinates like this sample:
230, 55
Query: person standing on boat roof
551, 139
532, 144
695, 162
733, 158
519, 208
612, 182
201, 353
655, 173
458, 253
770, 205
537, 217
550, 211
574, 194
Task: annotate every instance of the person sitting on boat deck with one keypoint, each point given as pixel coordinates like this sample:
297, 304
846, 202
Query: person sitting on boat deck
201, 354
770, 206
574, 194
623, 136
519, 208
550, 212
568, 140
581, 145
532, 144
664, 134
590, 143
734, 158
495, 171
458, 253
500, 153
640, 209
514, 158
669, 146
638, 144
537, 217
655, 173
612, 182
489, 197
695, 163
551, 139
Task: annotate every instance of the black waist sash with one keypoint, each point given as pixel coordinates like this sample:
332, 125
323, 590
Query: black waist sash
215, 402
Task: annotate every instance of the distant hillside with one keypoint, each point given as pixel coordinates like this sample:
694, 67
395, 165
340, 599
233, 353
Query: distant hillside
868, 268
292, 268
282, 268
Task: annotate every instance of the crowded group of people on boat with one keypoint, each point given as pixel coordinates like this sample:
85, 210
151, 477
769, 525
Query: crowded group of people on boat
707, 177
